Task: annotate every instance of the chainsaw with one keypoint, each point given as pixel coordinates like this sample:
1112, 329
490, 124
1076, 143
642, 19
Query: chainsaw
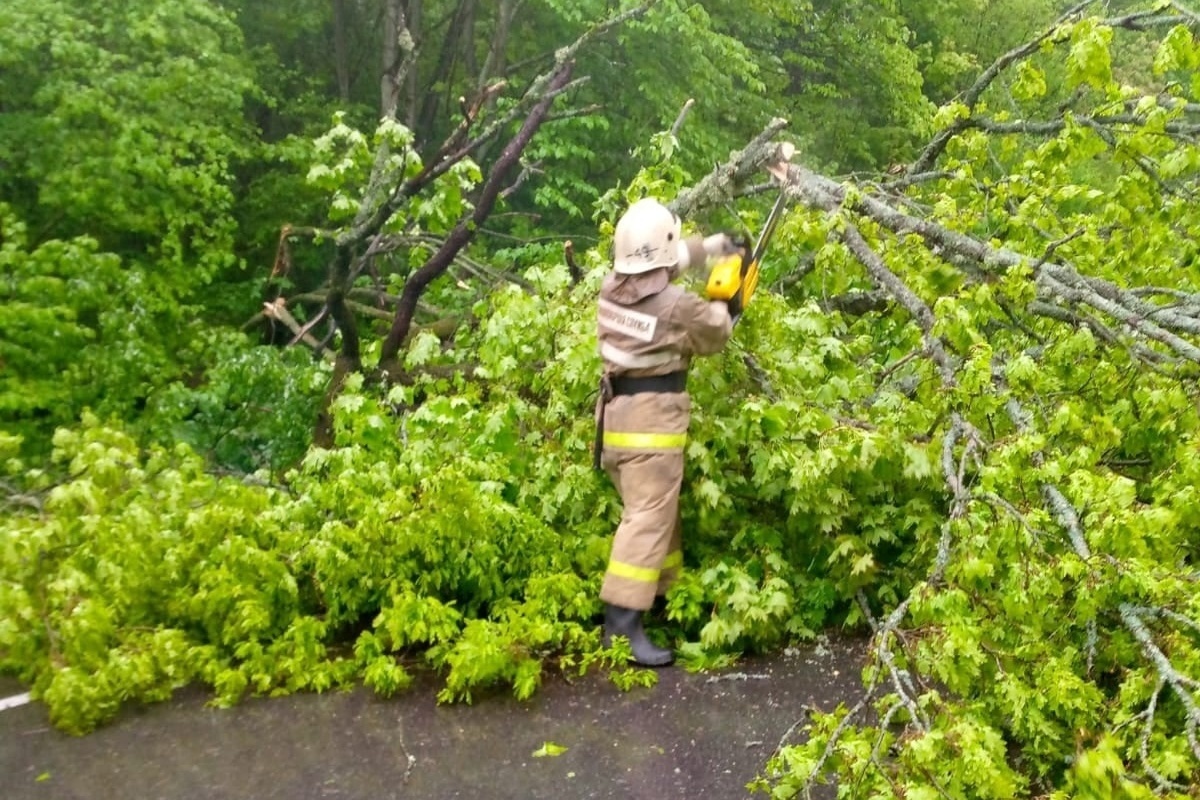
735, 277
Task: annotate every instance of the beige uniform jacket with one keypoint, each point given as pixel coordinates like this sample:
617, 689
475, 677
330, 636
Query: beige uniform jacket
649, 326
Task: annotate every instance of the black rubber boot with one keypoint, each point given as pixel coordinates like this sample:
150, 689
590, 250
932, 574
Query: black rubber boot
627, 622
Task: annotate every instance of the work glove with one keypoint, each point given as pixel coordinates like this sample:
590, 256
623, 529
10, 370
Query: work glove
721, 244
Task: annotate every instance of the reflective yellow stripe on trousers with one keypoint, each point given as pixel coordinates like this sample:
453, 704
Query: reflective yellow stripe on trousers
645, 441
645, 574
641, 574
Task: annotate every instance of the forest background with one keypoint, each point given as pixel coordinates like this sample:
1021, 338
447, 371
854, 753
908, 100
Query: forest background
297, 360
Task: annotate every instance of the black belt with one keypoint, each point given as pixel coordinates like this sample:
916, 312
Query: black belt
671, 382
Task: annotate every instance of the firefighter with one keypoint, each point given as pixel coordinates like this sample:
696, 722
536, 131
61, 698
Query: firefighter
648, 330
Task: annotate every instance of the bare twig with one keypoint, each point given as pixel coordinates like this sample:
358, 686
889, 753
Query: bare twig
527, 170
831, 743
683, 112
278, 311
1181, 685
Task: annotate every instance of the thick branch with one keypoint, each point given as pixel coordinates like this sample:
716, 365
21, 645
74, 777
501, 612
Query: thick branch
937, 145
339, 284
465, 230
720, 185
1054, 281
1054, 126
1101, 331
1064, 282
1135, 21
819, 196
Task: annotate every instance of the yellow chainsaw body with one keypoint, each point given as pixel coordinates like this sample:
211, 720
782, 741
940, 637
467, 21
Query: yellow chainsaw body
726, 279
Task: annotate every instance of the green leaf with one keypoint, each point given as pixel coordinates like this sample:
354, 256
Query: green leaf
549, 749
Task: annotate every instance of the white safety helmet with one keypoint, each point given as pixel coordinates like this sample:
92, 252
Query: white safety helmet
648, 236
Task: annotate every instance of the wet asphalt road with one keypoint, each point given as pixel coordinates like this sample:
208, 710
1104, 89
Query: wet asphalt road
696, 736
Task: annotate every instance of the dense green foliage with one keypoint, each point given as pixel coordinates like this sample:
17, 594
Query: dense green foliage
119, 134
1052, 650
961, 414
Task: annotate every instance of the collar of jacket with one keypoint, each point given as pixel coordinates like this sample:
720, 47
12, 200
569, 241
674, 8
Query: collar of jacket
629, 289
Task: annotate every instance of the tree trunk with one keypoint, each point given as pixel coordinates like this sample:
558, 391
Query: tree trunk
349, 358
341, 56
496, 60
399, 54
443, 73
415, 16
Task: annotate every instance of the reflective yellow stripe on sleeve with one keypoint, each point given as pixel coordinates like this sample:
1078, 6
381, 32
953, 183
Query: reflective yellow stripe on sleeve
673, 560
645, 441
640, 574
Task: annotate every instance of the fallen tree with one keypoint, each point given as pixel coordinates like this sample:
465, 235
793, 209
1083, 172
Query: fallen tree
1052, 645
407, 190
